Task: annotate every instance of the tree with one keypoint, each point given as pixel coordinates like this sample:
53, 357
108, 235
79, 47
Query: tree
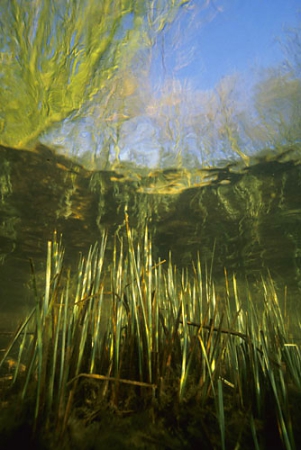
278, 105
278, 94
58, 56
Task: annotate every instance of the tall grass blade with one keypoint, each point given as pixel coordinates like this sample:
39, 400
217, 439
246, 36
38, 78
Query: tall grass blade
221, 413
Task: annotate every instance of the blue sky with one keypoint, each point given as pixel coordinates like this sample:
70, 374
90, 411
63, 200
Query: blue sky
227, 36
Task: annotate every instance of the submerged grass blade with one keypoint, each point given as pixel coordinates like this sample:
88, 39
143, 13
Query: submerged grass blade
221, 413
16, 336
287, 438
183, 378
209, 369
20, 353
254, 433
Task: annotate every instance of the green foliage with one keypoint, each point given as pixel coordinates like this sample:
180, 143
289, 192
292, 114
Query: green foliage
56, 56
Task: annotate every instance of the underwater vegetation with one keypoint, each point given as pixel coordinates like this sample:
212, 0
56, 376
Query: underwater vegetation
131, 352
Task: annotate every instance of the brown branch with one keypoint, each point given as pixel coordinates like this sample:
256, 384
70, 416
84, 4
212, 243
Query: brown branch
119, 380
243, 336
219, 330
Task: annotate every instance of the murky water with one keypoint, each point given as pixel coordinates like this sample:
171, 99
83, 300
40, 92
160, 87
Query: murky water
246, 221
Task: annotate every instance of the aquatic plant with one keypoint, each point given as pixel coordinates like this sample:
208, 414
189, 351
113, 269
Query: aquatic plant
127, 334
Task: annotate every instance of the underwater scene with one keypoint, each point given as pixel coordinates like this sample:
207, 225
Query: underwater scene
150, 230
174, 294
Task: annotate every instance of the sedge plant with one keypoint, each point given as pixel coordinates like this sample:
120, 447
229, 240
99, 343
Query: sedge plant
130, 332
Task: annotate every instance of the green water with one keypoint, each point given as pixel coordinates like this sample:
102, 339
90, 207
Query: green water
245, 221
